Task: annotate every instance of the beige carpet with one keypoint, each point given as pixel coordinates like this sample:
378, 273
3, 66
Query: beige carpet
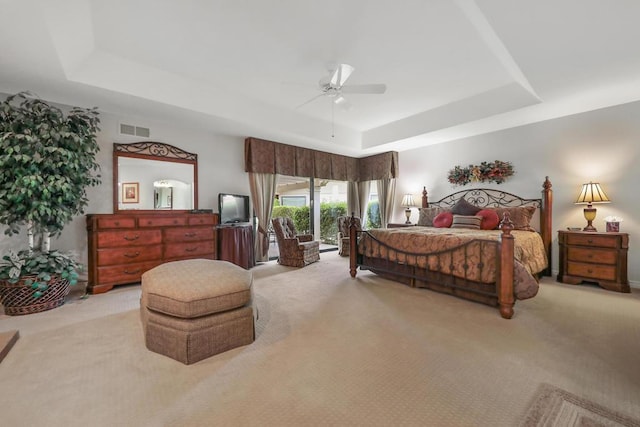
330, 350
555, 407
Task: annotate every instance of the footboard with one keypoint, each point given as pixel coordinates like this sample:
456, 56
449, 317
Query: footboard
467, 281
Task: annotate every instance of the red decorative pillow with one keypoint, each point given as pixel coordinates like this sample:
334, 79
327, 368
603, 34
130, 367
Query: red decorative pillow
490, 219
443, 220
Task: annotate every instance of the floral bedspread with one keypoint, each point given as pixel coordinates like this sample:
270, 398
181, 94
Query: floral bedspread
469, 254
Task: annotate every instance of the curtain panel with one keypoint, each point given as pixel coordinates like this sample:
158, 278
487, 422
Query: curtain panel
262, 156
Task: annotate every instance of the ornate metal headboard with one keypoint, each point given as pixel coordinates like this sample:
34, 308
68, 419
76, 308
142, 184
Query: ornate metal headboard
486, 197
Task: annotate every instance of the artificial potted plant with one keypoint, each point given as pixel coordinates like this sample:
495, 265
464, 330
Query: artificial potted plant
47, 160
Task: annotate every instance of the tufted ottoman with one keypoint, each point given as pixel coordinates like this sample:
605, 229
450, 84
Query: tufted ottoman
193, 309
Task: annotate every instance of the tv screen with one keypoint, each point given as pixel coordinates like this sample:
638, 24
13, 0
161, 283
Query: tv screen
233, 208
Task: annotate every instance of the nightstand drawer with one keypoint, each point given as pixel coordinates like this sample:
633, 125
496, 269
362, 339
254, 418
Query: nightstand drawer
593, 271
587, 239
600, 256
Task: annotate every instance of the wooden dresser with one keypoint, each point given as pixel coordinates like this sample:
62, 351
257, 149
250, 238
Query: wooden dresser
594, 257
123, 246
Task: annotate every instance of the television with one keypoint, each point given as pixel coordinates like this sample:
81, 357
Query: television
233, 208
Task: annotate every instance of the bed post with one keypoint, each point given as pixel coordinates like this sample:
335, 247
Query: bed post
505, 280
353, 245
545, 221
425, 199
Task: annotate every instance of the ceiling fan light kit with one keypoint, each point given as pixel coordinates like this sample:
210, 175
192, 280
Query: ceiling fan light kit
333, 86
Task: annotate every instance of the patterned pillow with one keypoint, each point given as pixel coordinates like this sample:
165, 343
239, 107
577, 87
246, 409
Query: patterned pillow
490, 219
520, 216
427, 215
443, 220
462, 207
466, 221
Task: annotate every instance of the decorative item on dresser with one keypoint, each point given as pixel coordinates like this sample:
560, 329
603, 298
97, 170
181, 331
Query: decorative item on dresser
123, 246
594, 257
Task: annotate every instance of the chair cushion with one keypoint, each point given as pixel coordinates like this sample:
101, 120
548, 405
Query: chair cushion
196, 287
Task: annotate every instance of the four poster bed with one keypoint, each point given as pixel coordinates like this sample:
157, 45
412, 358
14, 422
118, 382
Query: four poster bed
472, 259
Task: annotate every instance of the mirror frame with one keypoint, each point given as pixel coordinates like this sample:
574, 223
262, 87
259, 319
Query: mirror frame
159, 151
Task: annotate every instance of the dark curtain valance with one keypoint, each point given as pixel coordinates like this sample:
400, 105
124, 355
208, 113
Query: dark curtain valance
263, 156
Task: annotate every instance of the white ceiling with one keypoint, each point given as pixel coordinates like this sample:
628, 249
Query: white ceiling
453, 68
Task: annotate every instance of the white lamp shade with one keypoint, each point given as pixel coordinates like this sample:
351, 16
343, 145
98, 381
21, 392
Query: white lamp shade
407, 201
592, 193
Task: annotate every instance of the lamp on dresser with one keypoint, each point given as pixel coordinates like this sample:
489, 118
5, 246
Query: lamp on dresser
407, 203
589, 194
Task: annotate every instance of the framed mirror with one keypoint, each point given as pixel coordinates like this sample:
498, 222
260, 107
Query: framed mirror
154, 177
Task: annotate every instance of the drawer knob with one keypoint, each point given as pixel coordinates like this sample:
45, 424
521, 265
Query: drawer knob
136, 271
590, 256
190, 249
589, 271
175, 221
133, 255
131, 238
189, 234
590, 241
117, 223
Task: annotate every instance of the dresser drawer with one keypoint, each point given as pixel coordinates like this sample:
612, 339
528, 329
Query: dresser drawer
188, 234
129, 255
202, 220
130, 273
162, 221
592, 271
110, 239
600, 256
117, 222
189, 250
587, 239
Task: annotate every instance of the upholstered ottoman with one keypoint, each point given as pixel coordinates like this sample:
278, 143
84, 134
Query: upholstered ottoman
193, 309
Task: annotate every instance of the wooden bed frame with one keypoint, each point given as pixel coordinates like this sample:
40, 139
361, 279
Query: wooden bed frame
500, 293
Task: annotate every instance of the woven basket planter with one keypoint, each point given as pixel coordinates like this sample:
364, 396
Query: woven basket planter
17, 298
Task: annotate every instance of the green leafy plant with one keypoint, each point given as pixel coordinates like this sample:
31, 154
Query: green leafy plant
47, 160
37, 268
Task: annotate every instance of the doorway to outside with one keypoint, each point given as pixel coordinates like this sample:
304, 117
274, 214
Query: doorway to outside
314, 205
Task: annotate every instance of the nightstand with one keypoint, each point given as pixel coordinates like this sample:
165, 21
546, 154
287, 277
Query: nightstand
594, 257
399, 225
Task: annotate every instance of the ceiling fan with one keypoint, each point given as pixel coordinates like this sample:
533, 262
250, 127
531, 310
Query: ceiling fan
332, 86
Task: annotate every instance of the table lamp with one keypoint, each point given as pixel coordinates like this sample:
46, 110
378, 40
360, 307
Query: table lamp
407, 203
591, 193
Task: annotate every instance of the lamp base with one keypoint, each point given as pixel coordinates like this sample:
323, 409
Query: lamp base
589, 215
407, 213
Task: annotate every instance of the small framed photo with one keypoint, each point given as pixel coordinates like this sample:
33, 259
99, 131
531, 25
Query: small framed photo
130, 192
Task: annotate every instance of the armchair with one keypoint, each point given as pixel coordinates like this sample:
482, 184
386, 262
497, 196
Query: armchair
296, 250
343, 234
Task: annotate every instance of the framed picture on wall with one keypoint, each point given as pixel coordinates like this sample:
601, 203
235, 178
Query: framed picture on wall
130, 192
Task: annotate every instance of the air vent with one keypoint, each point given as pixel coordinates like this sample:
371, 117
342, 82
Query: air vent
134, 130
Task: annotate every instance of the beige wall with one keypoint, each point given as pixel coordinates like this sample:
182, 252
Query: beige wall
602, 146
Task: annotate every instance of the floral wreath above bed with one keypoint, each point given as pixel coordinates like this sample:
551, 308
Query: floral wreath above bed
496, 171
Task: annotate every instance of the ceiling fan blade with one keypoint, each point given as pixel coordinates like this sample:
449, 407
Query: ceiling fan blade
310, 100
341, 75
371, 88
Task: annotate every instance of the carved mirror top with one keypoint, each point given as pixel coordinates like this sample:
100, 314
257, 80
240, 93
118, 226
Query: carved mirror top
137, 166
154, 149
